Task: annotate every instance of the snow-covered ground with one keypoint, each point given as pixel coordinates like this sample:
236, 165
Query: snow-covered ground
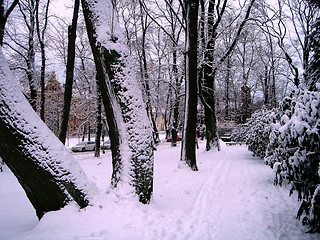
232, 196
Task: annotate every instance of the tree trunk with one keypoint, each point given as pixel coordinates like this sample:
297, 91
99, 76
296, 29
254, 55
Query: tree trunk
207, 84
41, 35
98, 124
188, 151
130, 131
245, 111
42, 165
42, 82
209, 102
145, 77
30, 60
177, 98
266, 81
227, 94
211, 66
84, 131
70, 71
89, 131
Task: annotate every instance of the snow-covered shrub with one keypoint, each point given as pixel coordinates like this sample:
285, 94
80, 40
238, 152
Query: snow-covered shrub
255, 132
239, 134
294, 151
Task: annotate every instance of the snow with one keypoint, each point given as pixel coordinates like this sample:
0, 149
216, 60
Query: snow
232, 196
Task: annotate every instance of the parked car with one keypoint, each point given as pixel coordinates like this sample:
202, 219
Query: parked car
84, 146
106, 145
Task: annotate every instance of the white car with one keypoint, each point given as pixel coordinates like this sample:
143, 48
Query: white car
84, 146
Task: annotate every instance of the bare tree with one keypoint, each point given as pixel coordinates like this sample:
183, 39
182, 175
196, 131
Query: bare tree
188, 150
41, 38
69, 73
211, 65
300, 15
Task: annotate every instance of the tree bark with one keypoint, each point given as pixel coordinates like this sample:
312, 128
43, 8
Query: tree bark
130, 131
188, 151
177, 98
227, 94
42, 165
98, 124
72, 35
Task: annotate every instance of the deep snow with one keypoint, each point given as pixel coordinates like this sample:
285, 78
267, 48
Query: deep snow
232, 196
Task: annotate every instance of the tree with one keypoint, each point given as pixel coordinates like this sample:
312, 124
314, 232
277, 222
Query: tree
144, 70
166, 16
28, 11
291, 24
129, 128
211, 65
188, 150
41, 38
69, 73
98, 123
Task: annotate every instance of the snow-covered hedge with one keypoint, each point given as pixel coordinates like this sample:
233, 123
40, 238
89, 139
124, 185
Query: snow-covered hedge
239, 134
259, 131
294, 151
255, 133
288, 138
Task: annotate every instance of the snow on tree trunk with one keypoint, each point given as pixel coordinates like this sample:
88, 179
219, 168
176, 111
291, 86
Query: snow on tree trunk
129, 128
42, 165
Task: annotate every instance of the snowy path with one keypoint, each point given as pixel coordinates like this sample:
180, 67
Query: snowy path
230, 197
235, 200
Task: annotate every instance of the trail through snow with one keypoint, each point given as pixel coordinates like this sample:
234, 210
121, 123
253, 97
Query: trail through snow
232, 196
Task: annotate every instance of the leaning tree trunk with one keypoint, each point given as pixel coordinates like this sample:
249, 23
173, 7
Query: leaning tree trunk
188, 150
44, 168
129, 128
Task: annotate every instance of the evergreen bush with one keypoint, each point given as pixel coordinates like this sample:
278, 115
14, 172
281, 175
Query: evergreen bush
294, 151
